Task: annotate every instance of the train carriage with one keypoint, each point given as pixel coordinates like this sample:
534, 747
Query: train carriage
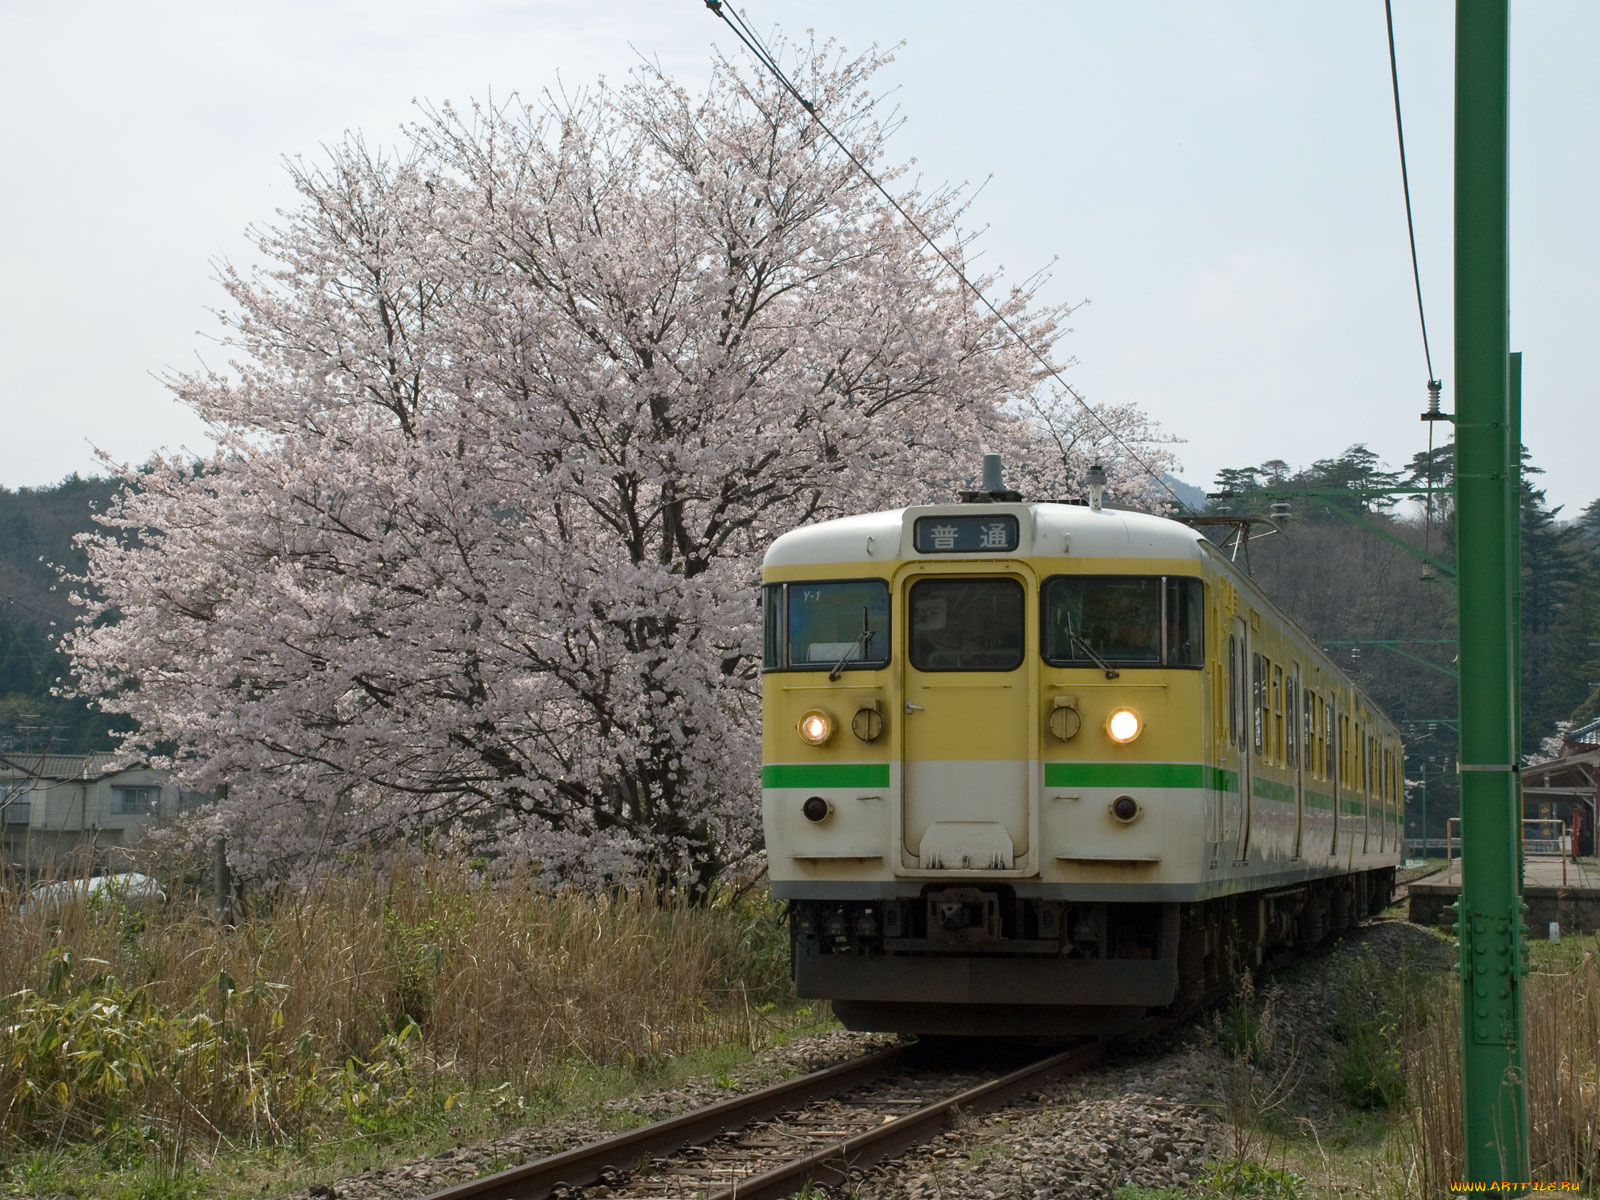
1043, 767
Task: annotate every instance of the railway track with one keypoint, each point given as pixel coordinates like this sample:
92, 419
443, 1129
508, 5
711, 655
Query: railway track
819, 1129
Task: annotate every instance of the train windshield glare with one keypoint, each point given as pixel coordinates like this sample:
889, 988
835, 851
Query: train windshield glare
1126, 620
821, 626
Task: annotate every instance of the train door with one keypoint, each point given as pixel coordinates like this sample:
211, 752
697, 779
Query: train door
1225, 808
1297, 754
1335, 766
968, 733
1251, 729
1367, 797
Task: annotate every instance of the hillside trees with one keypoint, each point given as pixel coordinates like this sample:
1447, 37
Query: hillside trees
514, 413
37, 527
1560, 618
1343, 574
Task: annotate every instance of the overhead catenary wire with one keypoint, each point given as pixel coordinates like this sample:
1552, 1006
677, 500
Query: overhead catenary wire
753, 43
1405, 186
1416, 273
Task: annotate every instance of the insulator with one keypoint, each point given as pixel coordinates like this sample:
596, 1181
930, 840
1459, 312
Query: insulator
1433, 413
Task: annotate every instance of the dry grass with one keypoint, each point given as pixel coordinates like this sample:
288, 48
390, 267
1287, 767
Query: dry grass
1562, 1014
370, 991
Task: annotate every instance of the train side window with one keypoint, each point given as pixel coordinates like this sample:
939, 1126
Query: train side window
966, 625
1308, 730
1233, 689
1329, 741
1185, 636
1291, 724
771, 626
1258, 690
1277, 713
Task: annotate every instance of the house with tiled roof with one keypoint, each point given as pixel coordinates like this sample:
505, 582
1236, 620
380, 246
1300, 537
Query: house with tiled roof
58, 807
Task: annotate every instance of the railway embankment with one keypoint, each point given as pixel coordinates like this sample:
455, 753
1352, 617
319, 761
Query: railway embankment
1244, 1098
1331, 1078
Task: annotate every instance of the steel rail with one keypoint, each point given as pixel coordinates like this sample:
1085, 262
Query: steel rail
583, 1165
834, 1164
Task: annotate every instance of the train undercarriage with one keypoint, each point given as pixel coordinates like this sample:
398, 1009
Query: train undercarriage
983, 959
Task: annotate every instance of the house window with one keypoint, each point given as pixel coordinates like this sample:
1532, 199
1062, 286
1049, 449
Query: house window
15, 805
136, 801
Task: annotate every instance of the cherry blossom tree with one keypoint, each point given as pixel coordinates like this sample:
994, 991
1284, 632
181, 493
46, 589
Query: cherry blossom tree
511, 415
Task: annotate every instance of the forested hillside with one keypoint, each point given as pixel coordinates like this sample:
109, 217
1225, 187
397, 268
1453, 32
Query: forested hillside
37, 526
1341, 568
1362, 567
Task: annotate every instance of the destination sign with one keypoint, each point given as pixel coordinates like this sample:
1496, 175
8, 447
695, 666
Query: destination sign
965, 534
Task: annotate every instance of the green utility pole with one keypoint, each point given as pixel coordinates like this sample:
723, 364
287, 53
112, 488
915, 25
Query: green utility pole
1489, 914
1514, 568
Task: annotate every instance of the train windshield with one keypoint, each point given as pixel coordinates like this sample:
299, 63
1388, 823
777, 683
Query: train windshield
1125, 620
820, 626
966, 625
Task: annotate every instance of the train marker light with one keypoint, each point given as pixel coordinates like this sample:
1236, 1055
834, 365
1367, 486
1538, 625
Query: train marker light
1125, 809
815, 727
816, 808
1065, 720
867, 724
1124, 725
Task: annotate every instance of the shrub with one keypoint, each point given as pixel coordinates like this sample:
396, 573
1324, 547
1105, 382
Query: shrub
371, 996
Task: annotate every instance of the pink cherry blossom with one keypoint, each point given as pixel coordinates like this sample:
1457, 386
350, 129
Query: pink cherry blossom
510, 416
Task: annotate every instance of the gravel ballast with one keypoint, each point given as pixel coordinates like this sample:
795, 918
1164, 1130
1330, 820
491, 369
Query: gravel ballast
1151, 1116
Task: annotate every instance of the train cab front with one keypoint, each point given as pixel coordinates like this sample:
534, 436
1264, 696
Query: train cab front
931, 685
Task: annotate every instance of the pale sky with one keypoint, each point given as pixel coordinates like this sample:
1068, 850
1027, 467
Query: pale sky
1219, 180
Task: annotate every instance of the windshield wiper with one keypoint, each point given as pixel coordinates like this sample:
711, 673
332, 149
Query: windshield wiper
862, 639
1077, 642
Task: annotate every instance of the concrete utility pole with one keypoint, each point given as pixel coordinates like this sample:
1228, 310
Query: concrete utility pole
1488, 455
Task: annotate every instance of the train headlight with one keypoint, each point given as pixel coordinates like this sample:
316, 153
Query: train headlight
815, 727
1124, 725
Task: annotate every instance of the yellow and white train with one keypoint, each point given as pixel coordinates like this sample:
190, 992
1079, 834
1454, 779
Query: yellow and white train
1042, 767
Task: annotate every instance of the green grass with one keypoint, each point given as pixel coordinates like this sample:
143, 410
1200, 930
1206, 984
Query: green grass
376, 1017
1564, 957
580, 1089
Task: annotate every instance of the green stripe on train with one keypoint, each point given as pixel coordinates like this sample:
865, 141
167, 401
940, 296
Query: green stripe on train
1271, 789
1132, 775
825, 775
